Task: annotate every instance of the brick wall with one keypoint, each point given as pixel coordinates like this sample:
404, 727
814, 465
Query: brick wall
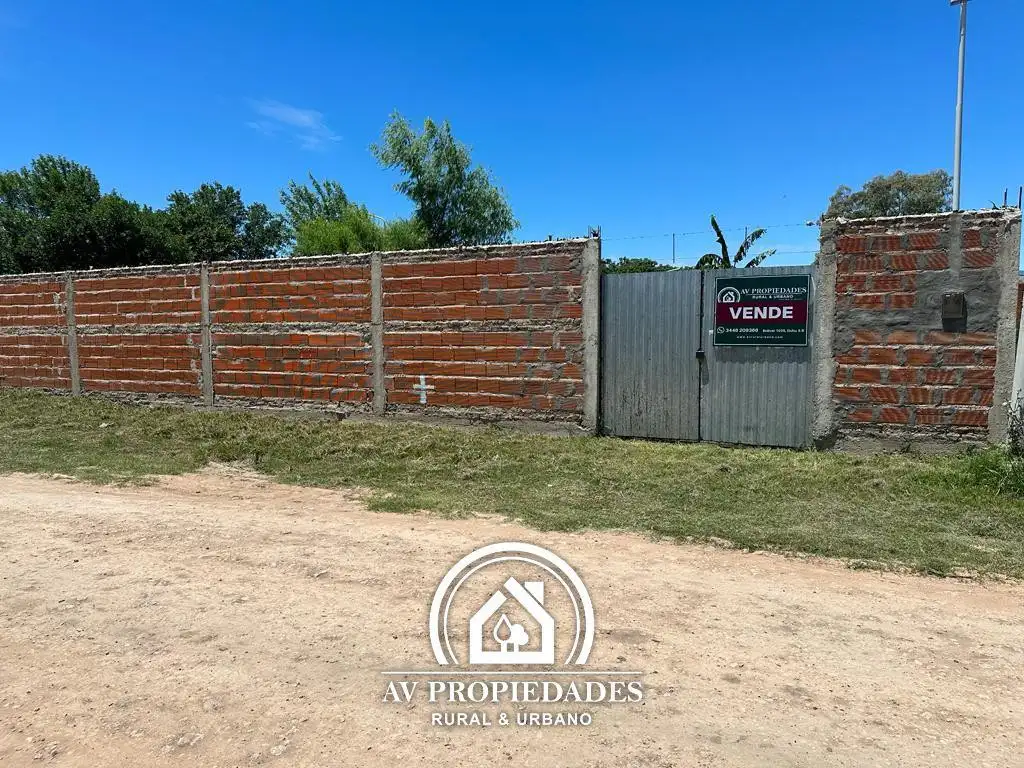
33, 341
501, 333
139, 333
900, 371
494, 332
292, 332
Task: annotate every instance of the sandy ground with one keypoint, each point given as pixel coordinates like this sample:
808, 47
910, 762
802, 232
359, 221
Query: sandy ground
222, 620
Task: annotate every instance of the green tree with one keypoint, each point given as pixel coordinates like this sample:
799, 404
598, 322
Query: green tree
127, 234
628, 265
45, 211
356, 231
724, 260
318, 200
456, 204
214, 224
899, 194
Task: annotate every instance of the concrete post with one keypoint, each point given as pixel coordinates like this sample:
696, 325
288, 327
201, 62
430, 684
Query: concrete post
69, 308
206, 336
824, 331
380, 395
1007, 385
591, 334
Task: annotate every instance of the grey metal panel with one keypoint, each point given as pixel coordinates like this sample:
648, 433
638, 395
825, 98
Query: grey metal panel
650, 327
755, 395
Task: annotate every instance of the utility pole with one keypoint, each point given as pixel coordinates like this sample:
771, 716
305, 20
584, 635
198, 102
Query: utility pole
957, 150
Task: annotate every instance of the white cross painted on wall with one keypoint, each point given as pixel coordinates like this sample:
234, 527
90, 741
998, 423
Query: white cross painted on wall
423, 388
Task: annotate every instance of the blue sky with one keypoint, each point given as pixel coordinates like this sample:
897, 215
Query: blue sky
642, 118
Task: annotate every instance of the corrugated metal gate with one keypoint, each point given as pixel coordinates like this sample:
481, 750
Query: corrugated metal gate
663, 377
650, 333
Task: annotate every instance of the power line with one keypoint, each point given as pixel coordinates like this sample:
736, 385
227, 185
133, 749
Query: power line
702, 232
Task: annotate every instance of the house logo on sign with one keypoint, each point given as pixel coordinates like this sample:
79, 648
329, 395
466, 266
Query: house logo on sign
518, 620
729, 296
493, 637
511, 638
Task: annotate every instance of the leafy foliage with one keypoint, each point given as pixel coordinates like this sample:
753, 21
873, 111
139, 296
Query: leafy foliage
54, 217
899, 194
723, 259
456, 204
214, 224
628, 265
319, 200
355, 231
323, 220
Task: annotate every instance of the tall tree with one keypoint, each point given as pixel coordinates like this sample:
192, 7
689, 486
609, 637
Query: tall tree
899, 194
455, 203
318, 200
214, 224
127, 234
724, 260
45, 211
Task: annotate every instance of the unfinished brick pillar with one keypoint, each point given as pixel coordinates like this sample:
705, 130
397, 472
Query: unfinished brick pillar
902, 374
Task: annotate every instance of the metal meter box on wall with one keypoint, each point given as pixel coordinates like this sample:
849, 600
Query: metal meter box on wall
769, 310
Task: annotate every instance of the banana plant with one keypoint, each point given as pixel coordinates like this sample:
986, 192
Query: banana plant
724, 260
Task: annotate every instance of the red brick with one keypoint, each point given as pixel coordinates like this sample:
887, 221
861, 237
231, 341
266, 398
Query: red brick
971, 238
881, 356
868, 264
903, 376
958, 396
902, 337
882, 395
970, 418
934, 261
930, 416
920, 357
861, 375
981, 377
886, 282
851, 283
941, 337
902, 300
886, 243
875, 301
924, 240
862, 415
894, 415
847, 393
982, 339
956, 356
918, 395
867, 337
985, 397
979, 259
852, 244
903, 262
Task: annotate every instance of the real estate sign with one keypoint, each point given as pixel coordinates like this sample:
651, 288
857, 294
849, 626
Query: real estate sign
762, 311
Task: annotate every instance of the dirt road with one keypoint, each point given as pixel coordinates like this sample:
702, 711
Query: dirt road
222, 620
